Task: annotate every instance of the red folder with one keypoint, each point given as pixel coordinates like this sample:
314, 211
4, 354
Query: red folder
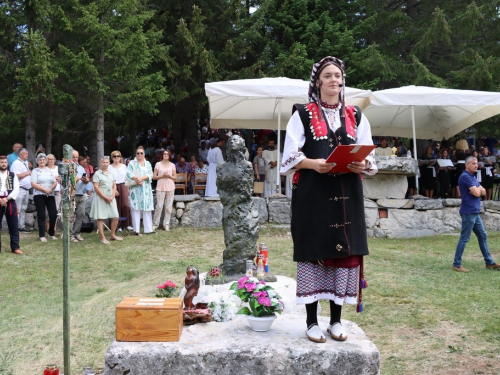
345, 154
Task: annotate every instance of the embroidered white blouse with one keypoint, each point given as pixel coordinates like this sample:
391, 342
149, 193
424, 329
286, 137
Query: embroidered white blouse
295, 139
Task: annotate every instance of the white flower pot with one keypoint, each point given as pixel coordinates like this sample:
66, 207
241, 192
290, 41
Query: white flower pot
260, 324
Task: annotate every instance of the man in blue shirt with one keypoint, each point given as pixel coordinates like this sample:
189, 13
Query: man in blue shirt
13, 157
471, 192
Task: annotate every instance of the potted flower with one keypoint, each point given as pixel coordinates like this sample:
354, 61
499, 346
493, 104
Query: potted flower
166, 290
262, 300
214, 276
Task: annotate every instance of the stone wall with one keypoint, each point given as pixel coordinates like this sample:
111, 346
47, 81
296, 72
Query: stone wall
406, 218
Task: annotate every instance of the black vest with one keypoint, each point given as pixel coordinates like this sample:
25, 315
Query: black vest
328, 219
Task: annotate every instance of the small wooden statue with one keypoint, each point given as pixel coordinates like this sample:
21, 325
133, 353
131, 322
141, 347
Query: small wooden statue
192, 285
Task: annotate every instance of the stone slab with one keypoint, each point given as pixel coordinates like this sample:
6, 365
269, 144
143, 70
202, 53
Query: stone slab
450, 202
390, 165
232, 348
370, 204
428, 204
395, 203
211, 199
385, 186
491, 206
180, 205
186, 198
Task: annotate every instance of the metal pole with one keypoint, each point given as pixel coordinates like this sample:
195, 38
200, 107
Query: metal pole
64, 172
414, 141
278, 165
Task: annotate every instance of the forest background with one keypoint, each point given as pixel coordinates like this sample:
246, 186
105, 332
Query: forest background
82, 71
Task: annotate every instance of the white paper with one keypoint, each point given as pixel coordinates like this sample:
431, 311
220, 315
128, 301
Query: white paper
445, 162
148, 304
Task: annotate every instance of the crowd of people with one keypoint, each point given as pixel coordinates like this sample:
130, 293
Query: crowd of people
440, 167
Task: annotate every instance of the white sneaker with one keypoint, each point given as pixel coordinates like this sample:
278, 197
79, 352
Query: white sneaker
43, 239
315, 334
53, 238
337, 332
130, 228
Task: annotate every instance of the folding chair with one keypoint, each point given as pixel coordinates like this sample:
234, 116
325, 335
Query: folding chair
200, 182
181, 183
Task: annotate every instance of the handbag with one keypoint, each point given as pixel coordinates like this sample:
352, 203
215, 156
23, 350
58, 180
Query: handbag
87, 225
258, 187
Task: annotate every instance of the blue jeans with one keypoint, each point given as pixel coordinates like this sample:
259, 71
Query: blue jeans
472, 222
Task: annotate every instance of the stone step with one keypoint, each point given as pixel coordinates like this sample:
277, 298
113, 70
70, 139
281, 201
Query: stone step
232, 348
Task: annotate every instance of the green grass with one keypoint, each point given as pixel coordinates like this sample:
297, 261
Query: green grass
423, 317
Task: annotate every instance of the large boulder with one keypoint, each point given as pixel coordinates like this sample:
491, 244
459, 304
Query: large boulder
261, 206
385, 186
202, 213
280, 211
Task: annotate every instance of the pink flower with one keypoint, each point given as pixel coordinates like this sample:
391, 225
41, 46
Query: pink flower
250, 286
264, 301
262, 282
241, 282
160, 286
260, 294
169, 283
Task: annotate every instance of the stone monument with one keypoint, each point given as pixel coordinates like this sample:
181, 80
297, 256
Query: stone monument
240, 218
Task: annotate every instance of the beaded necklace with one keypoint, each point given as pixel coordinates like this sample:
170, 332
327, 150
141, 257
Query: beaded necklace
330, 112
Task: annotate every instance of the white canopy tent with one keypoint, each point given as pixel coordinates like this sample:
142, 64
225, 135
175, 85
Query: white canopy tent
263, 103
438, 112
428, 112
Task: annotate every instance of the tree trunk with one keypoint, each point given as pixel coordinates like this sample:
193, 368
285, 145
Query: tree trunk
191, 135
30, 136
100, 112
100, 128
94, 159
50, 126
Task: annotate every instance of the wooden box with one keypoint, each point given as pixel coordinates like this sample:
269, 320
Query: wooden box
149, 319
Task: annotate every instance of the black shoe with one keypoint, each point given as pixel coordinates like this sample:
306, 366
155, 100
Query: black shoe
25, 230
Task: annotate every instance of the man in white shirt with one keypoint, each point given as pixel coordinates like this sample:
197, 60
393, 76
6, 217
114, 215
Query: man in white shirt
9, 189
80, 199
203, 151
271, 157
20, 168
214, 158
382, 149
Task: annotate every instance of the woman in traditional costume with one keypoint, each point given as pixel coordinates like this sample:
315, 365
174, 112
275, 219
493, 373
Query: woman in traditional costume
139, 177
328, 221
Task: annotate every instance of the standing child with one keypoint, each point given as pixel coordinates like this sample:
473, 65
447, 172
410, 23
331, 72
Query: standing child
259, 166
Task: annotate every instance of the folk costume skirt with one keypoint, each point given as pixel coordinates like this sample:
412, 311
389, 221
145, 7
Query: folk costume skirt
328, 223
316, 281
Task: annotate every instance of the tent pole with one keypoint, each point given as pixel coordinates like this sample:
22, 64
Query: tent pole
278, 177
414, 141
